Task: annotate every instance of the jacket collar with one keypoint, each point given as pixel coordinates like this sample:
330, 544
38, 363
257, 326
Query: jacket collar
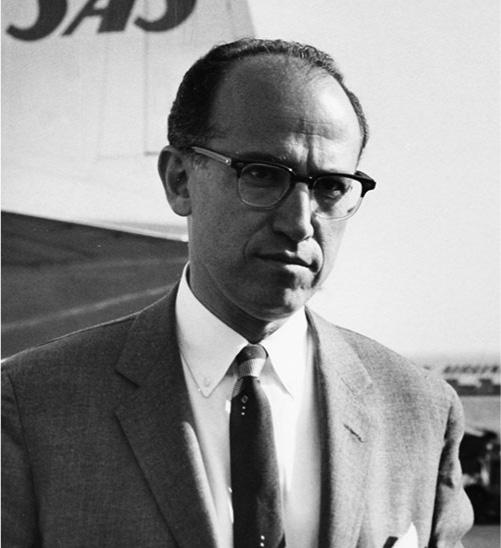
159, 425
343, 388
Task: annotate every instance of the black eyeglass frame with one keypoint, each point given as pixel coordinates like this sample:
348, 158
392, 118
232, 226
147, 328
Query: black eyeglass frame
238, 165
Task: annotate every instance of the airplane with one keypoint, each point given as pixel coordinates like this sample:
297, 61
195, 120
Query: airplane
87, 85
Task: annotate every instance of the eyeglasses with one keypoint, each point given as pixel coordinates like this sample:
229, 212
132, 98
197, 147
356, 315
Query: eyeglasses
263, 185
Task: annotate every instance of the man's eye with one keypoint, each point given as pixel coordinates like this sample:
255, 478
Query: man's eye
262, 174
334, 187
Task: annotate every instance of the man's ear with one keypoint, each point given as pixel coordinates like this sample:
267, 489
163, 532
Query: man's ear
172, 168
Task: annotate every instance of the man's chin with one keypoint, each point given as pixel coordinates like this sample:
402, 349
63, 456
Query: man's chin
281, 304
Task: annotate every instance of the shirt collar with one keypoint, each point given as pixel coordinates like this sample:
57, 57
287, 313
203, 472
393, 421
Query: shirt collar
208, 346
287, 348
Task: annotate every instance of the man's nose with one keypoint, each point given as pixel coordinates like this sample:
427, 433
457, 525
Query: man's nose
293, 216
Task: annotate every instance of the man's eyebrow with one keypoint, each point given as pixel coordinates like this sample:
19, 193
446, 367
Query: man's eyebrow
260, 156
263, 156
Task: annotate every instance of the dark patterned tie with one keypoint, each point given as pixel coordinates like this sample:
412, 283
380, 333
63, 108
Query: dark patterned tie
257, 507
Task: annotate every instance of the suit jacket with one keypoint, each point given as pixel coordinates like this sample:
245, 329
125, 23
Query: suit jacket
100, 446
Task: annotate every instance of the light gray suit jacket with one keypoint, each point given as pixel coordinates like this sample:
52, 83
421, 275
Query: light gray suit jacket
100, 446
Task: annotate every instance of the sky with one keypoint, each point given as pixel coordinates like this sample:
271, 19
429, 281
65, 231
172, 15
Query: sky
419, 268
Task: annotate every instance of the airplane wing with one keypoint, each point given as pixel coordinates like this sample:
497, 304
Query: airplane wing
59, 276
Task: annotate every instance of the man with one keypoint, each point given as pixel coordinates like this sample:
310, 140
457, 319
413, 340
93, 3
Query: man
134, 433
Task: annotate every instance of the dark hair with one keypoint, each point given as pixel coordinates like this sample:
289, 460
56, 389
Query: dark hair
190, 117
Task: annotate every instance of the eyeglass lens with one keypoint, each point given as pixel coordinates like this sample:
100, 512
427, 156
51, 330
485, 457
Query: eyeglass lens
262, 185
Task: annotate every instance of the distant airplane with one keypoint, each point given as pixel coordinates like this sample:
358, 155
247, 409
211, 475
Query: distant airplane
86, 88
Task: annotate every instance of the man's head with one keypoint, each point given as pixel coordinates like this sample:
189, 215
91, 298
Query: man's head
254, 266
190, 119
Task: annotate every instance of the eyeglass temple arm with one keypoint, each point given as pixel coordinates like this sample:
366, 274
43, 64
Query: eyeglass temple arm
368, 182
214, 155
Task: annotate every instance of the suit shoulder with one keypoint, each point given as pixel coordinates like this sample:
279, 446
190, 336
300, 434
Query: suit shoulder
390, 371
398, 373
96, 344
376, 355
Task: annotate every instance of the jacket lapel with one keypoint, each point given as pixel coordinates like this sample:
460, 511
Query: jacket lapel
343, 385
159, 425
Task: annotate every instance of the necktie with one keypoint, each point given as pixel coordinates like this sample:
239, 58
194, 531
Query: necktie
257, 512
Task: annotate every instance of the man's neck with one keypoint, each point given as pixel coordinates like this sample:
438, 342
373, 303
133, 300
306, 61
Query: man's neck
253, 329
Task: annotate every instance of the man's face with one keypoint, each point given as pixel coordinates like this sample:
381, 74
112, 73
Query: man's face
265, 264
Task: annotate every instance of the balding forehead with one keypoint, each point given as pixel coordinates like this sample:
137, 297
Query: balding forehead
272, 79
265, 68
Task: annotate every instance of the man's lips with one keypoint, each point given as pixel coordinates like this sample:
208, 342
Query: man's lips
286, 258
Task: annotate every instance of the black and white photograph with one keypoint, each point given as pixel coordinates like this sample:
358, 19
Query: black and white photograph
251, 265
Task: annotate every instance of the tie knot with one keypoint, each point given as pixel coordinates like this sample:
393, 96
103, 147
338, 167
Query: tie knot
250, 361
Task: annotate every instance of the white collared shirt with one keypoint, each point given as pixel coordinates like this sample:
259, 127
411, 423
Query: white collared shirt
208, 348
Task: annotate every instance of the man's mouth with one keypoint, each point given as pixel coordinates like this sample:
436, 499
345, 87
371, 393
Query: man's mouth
286, 258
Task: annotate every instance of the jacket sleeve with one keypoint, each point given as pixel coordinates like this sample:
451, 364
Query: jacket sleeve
453, 515
19, 515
